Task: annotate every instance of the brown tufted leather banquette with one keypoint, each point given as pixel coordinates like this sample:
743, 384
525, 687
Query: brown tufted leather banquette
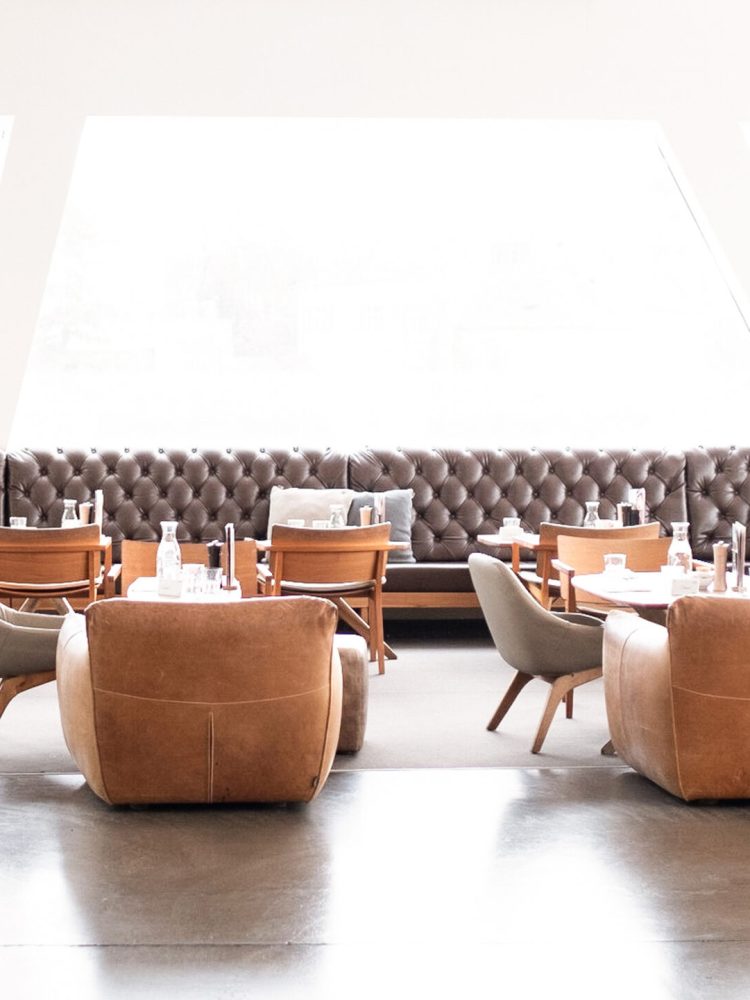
458, 493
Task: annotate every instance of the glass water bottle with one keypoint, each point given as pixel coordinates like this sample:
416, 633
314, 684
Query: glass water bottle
592, 514
679, 554
337, 519
169, 562
69, 515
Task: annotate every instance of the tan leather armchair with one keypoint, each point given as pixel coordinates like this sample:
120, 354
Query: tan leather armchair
236, 702
678, 697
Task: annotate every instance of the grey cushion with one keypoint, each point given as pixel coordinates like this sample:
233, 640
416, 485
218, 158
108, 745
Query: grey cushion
398, 510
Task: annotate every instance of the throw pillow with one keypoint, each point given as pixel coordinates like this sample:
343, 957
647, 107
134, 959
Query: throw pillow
306, 505
398, 510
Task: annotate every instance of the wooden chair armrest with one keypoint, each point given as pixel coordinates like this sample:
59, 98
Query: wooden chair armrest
516, 556
567, 591
265, 579
111, 578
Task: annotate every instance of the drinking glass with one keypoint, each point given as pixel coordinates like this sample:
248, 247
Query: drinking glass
614, 563
18, 522
193, 578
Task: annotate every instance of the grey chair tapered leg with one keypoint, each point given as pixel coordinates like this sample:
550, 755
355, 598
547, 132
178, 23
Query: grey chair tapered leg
11, 686
517, 685
561, 686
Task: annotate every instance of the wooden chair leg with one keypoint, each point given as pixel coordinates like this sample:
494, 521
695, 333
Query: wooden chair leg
360, 626
11, 686
560, 688
569, 705
517, 685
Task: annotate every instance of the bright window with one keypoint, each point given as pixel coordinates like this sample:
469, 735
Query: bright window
6, 123
355, 281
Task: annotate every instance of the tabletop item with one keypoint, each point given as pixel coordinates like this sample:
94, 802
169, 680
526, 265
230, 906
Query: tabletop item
209, 589
638, 500
739, 539
721, 554
378, 508
69, 515
214, 553
18, 522
84, 512
614, 563
169, 562
193, 579
230, 583
336, 520
365, 515
99, 507
679, 551
591, 518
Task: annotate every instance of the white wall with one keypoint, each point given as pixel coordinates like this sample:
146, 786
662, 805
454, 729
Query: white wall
683, 64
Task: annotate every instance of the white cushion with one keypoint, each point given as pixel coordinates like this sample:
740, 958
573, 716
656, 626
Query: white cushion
294, 503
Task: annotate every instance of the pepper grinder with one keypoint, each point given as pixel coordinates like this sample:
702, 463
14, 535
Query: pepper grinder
721, 553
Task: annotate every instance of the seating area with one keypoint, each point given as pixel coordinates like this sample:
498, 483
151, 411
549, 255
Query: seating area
374, 582
450, 496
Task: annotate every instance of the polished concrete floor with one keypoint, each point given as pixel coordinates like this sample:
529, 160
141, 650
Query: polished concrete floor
510, 882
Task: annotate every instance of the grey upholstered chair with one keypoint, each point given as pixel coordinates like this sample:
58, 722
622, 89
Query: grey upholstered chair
564, 649
28, 643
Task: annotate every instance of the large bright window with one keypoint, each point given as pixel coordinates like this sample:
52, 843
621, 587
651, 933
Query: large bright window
6, 123
353, 281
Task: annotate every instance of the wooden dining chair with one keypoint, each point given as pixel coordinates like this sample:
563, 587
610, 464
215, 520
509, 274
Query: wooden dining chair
139, 559
54, 565
543, 582
579, 554
335, 563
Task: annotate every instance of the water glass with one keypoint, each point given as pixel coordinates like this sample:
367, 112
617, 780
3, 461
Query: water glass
193, 578
18, 522
614, 563
213, 580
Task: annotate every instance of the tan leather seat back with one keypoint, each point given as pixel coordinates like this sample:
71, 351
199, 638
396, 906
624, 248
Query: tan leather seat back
210, 703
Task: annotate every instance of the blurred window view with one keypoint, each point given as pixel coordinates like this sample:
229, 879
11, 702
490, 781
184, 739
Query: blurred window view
346, 282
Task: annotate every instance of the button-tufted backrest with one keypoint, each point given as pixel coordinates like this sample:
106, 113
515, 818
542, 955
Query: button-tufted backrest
718, 494
201, 489
459, 494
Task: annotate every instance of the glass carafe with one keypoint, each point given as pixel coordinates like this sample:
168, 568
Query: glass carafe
592, 514
169, 561
679, 554
69, 515
337, 519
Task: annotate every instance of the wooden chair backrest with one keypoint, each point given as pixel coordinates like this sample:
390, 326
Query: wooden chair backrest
139, 559
54, 557
331, 555
586, 555
550, 532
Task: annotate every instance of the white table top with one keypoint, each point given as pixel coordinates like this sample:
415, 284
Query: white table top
642, 590
145, 589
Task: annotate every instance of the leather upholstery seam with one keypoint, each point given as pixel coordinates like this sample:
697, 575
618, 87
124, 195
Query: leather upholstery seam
176, 701
706, 694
